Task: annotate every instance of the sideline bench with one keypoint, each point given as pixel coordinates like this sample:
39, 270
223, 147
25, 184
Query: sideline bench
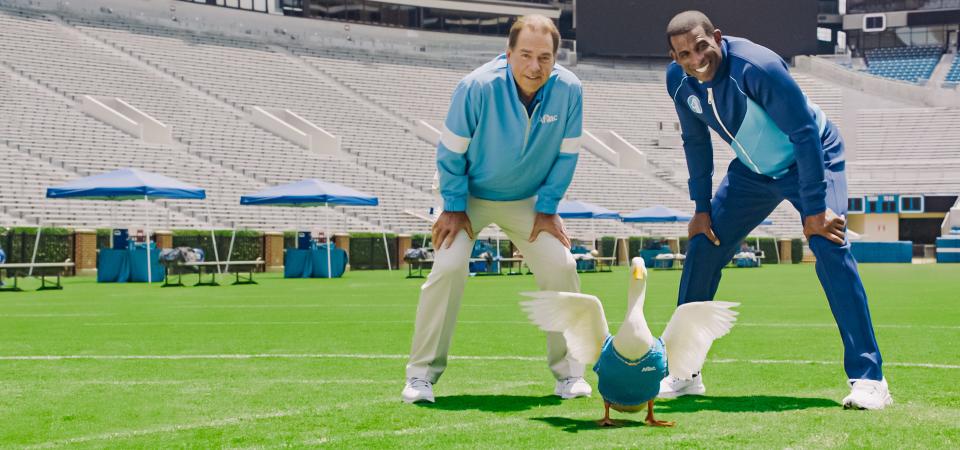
516, 266
605, 261
419, 263
46, 270
202, 268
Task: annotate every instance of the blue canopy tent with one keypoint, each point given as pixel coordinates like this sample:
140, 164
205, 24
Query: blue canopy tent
313, 192
656, 214
576, 209
664, 214
125, 184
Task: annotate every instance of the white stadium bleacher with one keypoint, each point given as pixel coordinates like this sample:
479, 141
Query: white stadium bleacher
206, 85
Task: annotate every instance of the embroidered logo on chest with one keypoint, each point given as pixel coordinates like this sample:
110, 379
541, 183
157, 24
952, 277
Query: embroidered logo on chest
548, 118
694, 103
648, 369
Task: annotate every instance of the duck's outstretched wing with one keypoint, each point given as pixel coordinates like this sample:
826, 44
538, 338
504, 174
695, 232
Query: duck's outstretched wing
690, 332
578, 316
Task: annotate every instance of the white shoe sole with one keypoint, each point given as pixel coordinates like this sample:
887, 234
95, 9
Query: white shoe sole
692, 390
850, 404
569, 396
415, 396
418, 400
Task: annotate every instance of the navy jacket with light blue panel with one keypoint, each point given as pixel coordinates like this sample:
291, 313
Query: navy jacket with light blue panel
493, 149
754, 104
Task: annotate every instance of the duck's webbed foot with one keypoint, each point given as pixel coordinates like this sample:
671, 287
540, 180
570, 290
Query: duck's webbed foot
654, 422
606, 421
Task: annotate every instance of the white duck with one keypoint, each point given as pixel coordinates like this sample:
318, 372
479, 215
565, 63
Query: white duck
631, 364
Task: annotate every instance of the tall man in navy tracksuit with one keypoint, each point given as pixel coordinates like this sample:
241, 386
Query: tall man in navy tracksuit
786, 149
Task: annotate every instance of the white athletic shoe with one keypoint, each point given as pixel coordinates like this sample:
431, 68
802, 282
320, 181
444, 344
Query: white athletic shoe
417, 390
868, 394
572, 387
673, 387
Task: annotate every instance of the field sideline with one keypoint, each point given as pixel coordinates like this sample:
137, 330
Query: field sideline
319, 363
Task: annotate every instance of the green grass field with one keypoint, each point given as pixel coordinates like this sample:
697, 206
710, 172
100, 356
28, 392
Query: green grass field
317, 363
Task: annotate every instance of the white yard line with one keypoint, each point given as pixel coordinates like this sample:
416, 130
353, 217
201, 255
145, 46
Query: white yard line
399, 356
217, 423
480, 322
237, 420
57, 315
412, 306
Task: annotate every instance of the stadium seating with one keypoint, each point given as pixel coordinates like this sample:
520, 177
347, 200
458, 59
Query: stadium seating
216, 148
205, 85
953, 76
906, 149
903, 63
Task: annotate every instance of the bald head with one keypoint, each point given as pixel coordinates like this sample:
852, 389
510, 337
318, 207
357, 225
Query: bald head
686, 22
537, 24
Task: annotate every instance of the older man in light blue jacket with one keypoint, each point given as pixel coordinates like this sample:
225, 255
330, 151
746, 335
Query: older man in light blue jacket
506, 156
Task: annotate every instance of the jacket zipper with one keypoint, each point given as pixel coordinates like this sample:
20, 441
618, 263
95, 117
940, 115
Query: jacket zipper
526, 134
733, 140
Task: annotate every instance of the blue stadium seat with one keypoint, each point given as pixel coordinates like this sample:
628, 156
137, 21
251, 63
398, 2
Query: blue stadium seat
904, 63
953, 76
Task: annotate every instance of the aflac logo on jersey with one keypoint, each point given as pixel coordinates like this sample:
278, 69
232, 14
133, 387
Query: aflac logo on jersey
547, 118
694, 104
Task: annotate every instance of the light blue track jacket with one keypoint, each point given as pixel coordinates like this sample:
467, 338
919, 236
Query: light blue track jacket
493, 150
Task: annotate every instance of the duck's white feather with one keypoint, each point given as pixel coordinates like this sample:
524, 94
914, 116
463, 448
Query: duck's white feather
578, 316
690, 332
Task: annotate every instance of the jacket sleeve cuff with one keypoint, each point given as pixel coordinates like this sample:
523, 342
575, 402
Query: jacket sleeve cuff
454, 204
813, 207
546, 205
703, 205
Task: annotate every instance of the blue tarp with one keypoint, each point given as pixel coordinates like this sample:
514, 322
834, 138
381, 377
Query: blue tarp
575, 209
583, 264
310, 192
479, 248
650, 255
656, 214
126, 184
948, 249
122, 266
312, 263
882, 252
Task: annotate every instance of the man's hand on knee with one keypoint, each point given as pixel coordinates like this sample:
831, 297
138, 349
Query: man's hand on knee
826, 224
702, 224
551, 223
448, 225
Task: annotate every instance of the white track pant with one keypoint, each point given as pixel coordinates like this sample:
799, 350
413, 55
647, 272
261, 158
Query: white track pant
552, 265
